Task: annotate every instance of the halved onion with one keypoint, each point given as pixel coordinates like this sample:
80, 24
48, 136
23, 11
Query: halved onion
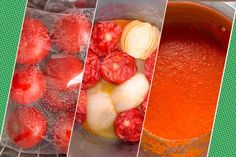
139, 39
131, 93
100, 112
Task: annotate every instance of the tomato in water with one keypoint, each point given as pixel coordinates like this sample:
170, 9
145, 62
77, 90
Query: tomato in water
71, 33
117, 67
55, 99
64, 76
61, 131
35, 42
28, 85
81, 3
64, 73
26, 127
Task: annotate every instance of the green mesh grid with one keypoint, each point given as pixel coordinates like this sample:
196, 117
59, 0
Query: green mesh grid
11, 18
223, 142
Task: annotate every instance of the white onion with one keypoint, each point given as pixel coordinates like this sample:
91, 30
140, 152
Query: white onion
139, 39
131, 93
100, 111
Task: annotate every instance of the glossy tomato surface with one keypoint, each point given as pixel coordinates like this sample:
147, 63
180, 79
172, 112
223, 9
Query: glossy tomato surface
28, 85
61, 131
55, 99
64, 73
35, 42
71, 33
26, 127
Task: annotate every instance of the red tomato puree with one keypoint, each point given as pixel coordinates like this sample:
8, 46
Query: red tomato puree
186, 84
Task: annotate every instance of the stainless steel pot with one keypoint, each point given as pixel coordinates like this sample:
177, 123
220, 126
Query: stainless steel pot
198, 146
84, 144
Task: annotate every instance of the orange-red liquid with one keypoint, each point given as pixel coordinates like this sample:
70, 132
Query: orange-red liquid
186, 84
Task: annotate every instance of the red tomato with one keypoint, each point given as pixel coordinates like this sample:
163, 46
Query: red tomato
118, 67
64, 73
92, 71
71, 33
26, 127
55, 99
106, 37
81, 107
61, 131
128, 125
28, 85
81, 3
149, 66
35, 42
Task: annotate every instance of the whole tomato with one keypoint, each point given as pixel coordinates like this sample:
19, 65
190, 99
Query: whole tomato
64, 73
81, 112
106, 37
71, 33
149, 66
81, 3
26, 127
55, 99
118, 67
61, 131
92, 70
64, 76
28, 85
128, 125
34, 43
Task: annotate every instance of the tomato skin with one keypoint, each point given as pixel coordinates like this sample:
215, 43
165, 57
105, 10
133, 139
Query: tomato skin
60, 73
149, 66
106, 37
117, 67
63, 80
26, 127
81, 3
81, 112
71, 33
61, 131
28, 85
128, 125
92, 71
56, 100
35, 42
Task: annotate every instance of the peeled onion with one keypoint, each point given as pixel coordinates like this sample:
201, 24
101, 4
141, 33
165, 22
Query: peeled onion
100, 111
139, 39
108, 133
131, 93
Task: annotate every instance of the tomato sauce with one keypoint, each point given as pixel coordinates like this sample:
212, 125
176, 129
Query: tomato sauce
186, 83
